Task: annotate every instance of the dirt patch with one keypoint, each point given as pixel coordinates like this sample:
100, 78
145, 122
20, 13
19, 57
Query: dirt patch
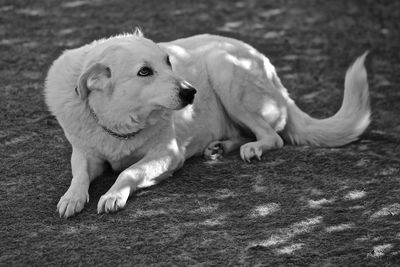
298, 206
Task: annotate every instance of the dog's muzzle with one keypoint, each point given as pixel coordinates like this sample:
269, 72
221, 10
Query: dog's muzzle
186, 92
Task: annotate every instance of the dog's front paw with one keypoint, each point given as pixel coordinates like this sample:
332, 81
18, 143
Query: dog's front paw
112, 201
250, 150
72, 202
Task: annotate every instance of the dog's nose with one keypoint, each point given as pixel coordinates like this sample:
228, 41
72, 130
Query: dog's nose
186, 92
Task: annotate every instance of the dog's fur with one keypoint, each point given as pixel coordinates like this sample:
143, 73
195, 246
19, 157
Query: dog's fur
145, 126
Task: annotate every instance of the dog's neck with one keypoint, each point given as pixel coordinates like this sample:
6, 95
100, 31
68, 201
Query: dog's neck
120, 136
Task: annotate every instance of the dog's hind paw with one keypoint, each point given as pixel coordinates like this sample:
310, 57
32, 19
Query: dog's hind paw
250, 150
214, 150
71, 203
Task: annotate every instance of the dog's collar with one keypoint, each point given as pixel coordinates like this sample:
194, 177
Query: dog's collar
107, 130
111, 132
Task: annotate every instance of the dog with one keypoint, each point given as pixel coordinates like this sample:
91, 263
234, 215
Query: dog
144, 108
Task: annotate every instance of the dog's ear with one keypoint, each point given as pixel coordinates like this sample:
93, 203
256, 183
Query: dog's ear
138, 32
96, 77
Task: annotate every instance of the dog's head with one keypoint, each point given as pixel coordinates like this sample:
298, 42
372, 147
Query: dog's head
128, 80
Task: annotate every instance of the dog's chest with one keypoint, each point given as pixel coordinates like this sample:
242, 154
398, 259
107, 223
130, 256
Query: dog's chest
121, 154
124, 162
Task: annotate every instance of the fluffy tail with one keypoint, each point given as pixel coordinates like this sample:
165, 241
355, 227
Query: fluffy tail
342, 128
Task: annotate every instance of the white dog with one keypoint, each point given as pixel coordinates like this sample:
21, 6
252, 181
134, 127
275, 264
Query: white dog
145, 107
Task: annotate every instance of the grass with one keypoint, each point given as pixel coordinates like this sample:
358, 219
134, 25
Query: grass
298, 206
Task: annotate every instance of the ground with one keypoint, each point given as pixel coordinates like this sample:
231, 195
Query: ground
298, 206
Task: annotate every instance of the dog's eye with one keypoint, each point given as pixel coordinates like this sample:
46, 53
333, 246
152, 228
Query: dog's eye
145, 71
168, 62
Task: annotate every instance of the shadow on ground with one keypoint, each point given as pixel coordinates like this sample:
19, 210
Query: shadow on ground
298, 206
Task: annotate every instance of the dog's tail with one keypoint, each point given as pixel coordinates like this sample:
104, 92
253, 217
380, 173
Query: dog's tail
345, 126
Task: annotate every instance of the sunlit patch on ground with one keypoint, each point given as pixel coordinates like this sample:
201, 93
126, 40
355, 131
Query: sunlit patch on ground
316, 192
32, 12
215, 221
264, 210
357, 207
11, 41
381, 250
355, 194
149, 213
80, 3
388, 171
289, 249
393, 209
339, 227
318, 203
67, 31
205, 208
224, 193
285, 234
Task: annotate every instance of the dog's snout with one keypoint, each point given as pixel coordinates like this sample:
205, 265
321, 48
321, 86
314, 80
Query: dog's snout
185, 85
186, 92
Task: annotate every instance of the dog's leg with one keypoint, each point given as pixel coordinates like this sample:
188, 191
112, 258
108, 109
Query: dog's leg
220, 148
267, 137
266, 141
153, 168
250, 114
258, 123
84, 169
252, 96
